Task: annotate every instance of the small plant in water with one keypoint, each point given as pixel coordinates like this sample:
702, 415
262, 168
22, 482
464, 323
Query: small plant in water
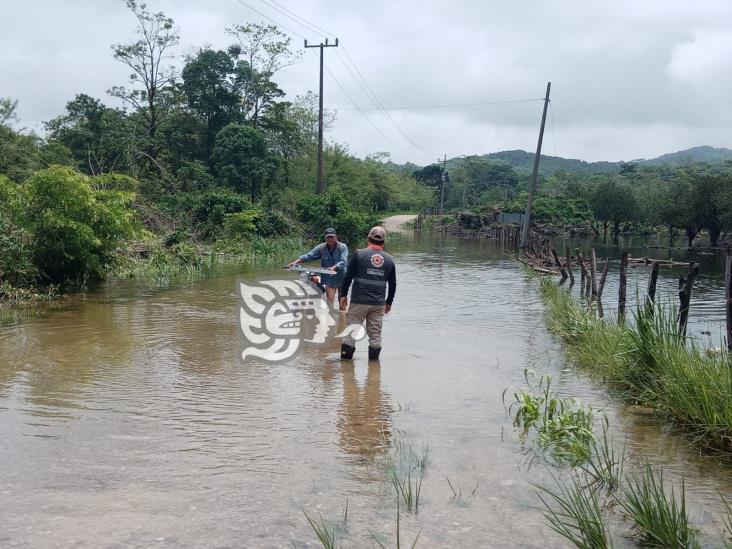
661, 521
573, 511
326, 536
563, 425
605, 466
381, 544
408, 490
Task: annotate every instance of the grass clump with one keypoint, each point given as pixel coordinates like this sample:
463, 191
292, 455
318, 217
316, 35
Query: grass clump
660, 519
648, 361
326, 535
573, 510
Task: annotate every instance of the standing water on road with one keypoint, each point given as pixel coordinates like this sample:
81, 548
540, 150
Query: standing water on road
127, 418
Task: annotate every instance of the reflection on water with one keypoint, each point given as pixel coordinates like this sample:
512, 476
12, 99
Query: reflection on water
128, 419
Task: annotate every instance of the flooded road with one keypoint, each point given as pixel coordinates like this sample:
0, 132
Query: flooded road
127, 418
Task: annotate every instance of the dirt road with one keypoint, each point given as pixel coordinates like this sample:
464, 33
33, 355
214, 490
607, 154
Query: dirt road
395, 222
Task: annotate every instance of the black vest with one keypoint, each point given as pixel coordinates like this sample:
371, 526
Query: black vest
373, 269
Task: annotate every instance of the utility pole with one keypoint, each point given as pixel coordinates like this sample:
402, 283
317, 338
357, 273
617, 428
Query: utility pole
321, 182
535, 173
443, 177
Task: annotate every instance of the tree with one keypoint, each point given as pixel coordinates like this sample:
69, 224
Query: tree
261, 50
210, 87
242, 159
96, 135
152, 75
677, 209
709, 202
613, 202
8, 108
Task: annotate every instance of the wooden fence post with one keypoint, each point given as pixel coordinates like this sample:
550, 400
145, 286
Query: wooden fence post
583, 272
728, 296
685, 285
651, 292
569, 268
593, 273
558, 263
623, 286
603, 277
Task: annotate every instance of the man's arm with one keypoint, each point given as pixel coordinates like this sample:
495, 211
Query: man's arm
350, 274
392, 288
312, 254
344, 258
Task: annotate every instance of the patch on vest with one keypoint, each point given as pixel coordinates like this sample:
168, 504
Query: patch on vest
377, 260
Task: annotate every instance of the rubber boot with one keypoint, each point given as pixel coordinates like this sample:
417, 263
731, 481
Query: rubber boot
374, 352
347, 351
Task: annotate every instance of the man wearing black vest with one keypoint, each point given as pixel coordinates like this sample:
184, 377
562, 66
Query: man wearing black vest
372, 271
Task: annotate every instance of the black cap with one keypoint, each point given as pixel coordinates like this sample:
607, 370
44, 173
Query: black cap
330, 231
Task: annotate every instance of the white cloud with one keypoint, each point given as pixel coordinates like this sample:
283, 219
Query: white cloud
630, 79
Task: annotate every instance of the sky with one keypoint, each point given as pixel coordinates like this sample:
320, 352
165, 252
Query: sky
630, 78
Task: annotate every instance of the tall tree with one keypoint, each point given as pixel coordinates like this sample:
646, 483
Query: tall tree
149, 58
262, 50
613, 202
97, 136
210, 87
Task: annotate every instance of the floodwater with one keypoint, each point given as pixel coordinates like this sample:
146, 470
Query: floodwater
127, 418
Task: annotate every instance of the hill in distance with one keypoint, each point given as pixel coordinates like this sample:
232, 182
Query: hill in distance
550, 164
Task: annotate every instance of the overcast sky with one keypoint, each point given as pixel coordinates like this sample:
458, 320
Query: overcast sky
630, 78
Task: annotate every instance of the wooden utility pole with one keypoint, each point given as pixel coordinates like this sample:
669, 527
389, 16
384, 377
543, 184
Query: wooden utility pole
535, 172
443, 177
322, 46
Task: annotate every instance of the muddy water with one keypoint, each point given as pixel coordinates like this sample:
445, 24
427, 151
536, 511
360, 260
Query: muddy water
127, 418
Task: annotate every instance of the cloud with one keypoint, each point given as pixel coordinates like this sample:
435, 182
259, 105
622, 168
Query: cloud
629, 79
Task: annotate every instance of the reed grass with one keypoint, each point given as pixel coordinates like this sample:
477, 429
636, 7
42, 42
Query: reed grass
662, 521
649, 363
573, 510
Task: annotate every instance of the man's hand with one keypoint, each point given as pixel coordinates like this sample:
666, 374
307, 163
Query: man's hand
291, 265
343, 303
387, 308
333, 268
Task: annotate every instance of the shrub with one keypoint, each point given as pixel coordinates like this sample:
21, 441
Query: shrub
74, 229
331, 209
241, 225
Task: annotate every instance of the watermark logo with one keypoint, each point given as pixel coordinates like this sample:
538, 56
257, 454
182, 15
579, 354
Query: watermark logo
277, 317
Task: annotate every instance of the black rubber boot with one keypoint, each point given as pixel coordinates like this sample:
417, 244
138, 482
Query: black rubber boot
347, 351
374, 352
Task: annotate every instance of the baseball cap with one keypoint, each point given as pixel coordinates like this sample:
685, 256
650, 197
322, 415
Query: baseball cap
377, 234
330, 231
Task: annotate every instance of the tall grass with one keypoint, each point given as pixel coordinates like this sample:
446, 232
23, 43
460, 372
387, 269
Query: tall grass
650, 363
662, 521
573, 510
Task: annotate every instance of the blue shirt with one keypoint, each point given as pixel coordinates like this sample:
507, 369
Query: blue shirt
338, 258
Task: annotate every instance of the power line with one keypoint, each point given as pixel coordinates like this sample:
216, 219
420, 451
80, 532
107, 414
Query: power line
297, 19
357, 76
271, 20
454, 105
359, 109
368, 92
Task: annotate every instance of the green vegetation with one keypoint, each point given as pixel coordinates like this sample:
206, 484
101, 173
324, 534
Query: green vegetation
649, 363
661, 520
666, 198
575, 513
563, 426
207, 162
